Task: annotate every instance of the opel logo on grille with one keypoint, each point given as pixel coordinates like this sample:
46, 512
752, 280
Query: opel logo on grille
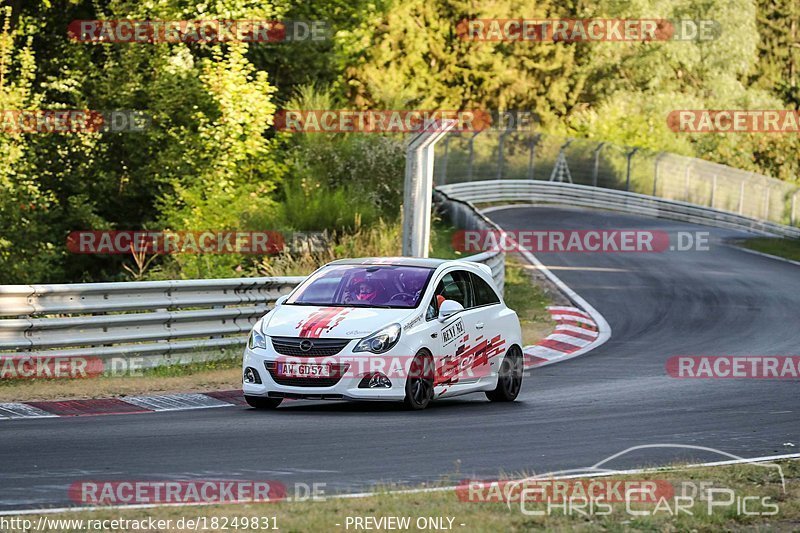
306, 345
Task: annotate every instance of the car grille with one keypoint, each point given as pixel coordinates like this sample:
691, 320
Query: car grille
320, 347
337, 370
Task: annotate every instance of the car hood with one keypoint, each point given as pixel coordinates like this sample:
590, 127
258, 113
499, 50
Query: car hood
331, 322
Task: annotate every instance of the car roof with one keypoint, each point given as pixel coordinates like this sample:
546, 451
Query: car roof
397, 261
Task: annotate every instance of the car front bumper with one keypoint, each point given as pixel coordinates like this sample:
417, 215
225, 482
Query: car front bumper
394, 364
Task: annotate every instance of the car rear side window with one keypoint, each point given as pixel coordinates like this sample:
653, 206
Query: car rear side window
484, 293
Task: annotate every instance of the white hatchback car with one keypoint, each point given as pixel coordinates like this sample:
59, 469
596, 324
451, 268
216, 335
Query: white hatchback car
386, 329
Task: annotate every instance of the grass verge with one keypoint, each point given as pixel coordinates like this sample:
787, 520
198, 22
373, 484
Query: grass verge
786, 248
760, 485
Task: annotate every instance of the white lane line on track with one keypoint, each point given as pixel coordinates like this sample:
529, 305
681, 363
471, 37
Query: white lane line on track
751, 460
762, 254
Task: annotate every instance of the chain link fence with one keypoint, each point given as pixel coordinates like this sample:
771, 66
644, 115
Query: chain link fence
492, 154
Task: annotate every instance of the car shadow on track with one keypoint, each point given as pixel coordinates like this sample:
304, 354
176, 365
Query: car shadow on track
474, 404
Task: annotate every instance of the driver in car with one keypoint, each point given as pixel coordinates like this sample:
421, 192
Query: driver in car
362, 290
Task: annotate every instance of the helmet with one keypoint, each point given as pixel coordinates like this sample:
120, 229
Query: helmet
364, 290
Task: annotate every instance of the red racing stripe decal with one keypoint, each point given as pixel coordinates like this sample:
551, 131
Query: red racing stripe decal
319, 321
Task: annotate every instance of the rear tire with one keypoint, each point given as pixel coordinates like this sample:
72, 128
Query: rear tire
509, 382
419, 384
259, 402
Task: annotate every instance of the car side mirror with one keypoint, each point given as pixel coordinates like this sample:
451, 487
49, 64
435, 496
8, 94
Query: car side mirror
282, 299
449, 308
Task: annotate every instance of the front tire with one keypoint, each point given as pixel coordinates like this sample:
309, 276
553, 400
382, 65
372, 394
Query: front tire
259, 402
419, 384
509, 382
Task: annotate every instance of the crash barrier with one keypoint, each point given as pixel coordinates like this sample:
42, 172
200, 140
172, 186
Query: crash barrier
156, 322
546, 192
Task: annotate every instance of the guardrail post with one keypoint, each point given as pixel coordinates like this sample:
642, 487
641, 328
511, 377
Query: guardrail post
532, 156
418, 190
793, 218
443, 173
596, 163
628, 177
471, 154
500, 151
655, 171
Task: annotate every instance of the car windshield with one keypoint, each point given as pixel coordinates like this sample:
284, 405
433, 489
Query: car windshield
389, 286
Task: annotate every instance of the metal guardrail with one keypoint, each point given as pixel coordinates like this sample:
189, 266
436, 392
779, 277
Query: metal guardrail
594, 197
161, 322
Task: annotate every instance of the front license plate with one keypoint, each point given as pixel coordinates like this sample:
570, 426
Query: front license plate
303, 370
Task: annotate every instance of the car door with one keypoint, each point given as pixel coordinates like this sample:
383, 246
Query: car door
455, 335
487, 315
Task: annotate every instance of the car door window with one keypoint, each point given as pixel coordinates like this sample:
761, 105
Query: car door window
484, 293
455, 286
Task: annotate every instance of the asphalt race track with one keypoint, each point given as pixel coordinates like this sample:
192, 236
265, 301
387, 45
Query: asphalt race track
571, 415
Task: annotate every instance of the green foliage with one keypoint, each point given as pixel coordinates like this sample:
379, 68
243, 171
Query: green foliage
412, 57
24, 207
365, 169
209, 159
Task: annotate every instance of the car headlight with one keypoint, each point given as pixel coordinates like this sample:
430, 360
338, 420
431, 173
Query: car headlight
380, 341
257, 340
